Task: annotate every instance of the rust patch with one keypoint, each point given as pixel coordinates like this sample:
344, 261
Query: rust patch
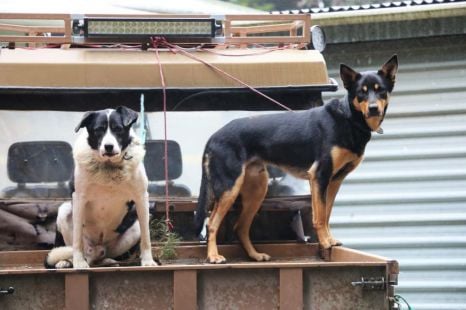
238, 289
46, 291
185, 290
135, 290
291, 288
330, 289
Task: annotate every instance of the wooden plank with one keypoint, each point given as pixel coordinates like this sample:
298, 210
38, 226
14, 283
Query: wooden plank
29, 29
36, 39
268, 17
307, 29
77, 291
263, 40
185, 290
267, 28
68, 29
49, 16
343, 254
291, 288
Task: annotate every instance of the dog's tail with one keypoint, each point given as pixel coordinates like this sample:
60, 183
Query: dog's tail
60, 257
206, 198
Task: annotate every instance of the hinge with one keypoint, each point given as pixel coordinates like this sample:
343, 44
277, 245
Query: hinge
370, 283
7, 291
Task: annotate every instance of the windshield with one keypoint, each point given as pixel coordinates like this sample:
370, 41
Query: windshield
36, 160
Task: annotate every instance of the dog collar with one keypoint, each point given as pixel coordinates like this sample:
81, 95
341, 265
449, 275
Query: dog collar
127, 157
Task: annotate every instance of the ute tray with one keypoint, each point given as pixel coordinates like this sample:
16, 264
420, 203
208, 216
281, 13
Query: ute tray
296, 277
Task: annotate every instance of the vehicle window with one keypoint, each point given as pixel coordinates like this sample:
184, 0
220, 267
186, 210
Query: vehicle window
36, 159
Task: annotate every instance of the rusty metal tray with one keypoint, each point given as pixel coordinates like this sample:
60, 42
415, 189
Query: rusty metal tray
299, 276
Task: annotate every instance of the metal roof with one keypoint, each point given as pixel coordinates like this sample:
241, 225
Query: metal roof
385, 5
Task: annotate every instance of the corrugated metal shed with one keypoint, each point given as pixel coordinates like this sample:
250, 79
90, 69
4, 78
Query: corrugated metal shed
407, 200
369, 6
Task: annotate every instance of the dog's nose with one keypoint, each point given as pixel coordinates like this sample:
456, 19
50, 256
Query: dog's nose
108, 148
373, 110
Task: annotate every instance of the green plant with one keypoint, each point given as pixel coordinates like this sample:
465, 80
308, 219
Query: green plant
168, 240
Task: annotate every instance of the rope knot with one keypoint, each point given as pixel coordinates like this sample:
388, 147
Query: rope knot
158, 42
169, 224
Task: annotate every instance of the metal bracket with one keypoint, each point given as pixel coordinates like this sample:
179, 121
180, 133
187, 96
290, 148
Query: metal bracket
7, 291
371, 283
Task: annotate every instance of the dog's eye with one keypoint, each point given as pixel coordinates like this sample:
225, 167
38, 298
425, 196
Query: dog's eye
383, 94
99, 129
361, 94
117, 129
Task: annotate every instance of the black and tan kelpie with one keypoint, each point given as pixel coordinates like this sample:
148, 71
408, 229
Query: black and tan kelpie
321, 145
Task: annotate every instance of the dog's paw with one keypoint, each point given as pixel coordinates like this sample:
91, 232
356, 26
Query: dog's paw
216, 259
329, 243
147, 259
148, 263
335, 242
261, 257
325, 244
80, 264
63, 264
109, 262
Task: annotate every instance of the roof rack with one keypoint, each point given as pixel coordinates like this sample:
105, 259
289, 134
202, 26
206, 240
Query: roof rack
101, 28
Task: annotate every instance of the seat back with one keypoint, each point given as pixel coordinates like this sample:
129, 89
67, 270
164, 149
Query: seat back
276, 188
154, 162
32, 163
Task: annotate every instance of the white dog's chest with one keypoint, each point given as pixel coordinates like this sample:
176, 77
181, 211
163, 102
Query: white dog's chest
104, 210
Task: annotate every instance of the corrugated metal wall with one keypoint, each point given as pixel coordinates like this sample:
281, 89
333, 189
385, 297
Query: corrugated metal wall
407, 200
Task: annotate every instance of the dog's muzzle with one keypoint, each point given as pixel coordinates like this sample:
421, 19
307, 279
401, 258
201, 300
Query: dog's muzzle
373, 110
109, 151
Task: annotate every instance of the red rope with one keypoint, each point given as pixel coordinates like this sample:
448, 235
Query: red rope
158, 41
263, 51
164, 92
163, 42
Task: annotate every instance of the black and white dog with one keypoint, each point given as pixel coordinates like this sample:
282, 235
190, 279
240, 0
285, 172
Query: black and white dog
109, 176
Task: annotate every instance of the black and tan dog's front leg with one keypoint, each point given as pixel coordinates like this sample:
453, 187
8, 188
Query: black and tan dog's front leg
343, 162
332, 191
319, 180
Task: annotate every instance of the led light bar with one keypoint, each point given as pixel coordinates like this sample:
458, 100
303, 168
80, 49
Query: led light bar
148, 27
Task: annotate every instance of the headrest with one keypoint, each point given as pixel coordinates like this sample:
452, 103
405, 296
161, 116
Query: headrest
154, 160
275, 172
40, 161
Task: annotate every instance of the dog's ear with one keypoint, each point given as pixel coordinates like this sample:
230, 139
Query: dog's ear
389, 69
86, 120
348, 76
128, 116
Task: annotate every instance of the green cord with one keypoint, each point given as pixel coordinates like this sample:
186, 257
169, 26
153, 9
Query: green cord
142, 121
399, 299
